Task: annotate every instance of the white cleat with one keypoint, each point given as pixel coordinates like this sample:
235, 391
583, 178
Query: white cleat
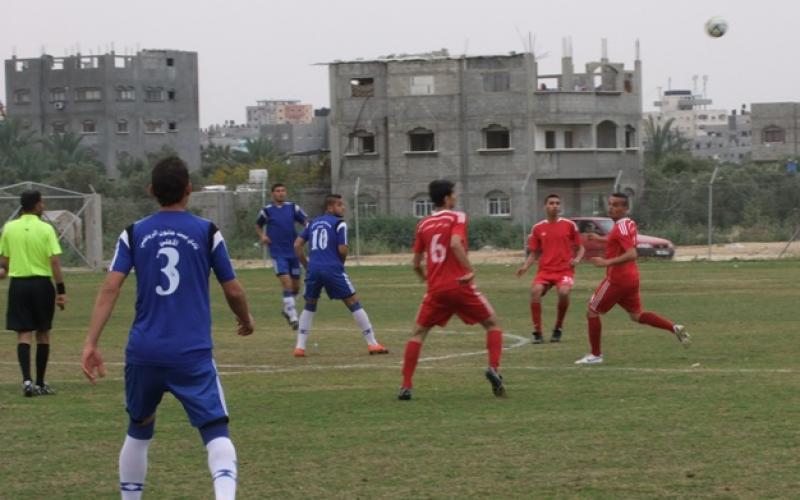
590, 359
682, 335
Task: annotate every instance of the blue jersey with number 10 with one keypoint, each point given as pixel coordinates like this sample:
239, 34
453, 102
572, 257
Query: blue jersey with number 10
324, 235
173, 254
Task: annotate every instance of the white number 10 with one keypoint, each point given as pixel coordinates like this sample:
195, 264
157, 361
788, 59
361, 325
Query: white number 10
169, 270
438, 251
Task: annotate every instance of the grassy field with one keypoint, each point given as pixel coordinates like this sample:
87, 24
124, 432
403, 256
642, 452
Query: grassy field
719, 420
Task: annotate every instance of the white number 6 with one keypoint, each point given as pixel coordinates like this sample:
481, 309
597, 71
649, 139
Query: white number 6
169, 270
438, 251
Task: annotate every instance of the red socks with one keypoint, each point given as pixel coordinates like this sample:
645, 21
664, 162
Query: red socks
595, 328
536, 314
653, 319
410, 359
563, 305
494, 344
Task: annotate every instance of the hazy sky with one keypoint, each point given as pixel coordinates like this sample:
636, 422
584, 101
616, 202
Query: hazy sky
251, 49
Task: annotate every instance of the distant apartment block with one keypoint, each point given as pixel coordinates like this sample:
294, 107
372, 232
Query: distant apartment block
507, 134
229, 134
300, 138
775, 131
122, 105
278, 112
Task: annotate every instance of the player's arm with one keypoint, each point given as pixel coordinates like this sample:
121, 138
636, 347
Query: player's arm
3, 266
629, 255
91, 360
529, 261
341, 237
261, 224
460, 253
417, 262
596, 237
578, 255
237, 301
299, 251
58, 277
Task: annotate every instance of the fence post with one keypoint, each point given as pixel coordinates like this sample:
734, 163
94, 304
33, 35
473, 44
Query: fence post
710, 209
358, 229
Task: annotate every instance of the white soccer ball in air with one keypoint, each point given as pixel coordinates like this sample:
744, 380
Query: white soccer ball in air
716, 27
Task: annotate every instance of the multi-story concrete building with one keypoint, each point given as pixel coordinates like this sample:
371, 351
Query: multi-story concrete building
776, 134
229, 134
712, 133
122, 105
505, 133
276, 112
299, 138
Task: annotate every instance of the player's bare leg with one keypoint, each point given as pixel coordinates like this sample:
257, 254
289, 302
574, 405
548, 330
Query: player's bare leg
538, 291
494, 346
410, 359
656, 321
290, 288
595, 331
563, 306
305, 322
362, 320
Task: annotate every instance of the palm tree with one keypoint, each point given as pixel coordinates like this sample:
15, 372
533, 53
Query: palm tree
662, 140
13, 140
258, 150
66, 149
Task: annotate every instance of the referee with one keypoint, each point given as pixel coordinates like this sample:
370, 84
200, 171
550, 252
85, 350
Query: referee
29, 253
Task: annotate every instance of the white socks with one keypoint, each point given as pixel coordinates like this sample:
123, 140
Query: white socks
133, 467
362, 320
289, 307
222, 464
306, 319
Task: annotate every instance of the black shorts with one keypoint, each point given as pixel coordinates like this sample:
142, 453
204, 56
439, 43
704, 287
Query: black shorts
31, 304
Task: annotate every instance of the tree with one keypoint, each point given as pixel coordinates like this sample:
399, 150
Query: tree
258, 150
662, 141
66, 149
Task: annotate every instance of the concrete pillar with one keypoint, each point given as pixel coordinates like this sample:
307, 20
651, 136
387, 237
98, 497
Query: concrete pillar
94, 231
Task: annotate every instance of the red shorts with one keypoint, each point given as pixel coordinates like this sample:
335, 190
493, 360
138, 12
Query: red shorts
609, 294
465, 301
557, 279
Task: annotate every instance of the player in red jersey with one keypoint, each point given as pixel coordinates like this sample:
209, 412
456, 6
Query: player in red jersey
621, 284
553, 241
442, 237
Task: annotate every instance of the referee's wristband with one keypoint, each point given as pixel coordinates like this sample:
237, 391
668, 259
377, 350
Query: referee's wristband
61, 289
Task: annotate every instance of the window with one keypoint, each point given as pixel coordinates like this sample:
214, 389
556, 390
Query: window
170, 95
362, 87
568, 139
58, 127
21, 66
22, 96
496, 81
58, 94
173, 126
57, 64
119, 62
170, 61
423, 207
497, 137
153, 126
153, 94
422, 85
89, 62
88, 127
550, 139
607, 135
630, 136
122, 126
361, 142
126, 94
421, 139
367, 207
88, 94
498, 205
774, 135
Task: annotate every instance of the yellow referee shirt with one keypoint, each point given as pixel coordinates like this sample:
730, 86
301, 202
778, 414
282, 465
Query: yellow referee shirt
29, 242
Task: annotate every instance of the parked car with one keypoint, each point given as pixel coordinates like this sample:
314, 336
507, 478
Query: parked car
646, 246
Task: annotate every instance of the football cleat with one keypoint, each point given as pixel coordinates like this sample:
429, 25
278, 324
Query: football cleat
299, 353
289, 319
377, 349
404, 394
44, 390
590, 359
537, 338
494, 378
682, 335
556, 336
27, 389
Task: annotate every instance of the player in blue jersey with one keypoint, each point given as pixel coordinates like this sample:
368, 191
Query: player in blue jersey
169, 345
276, 228
327, 238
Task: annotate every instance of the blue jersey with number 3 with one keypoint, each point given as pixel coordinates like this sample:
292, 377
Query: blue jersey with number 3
324, 235
173, 254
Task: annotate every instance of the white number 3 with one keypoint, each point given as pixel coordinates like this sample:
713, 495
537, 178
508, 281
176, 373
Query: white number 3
169, 270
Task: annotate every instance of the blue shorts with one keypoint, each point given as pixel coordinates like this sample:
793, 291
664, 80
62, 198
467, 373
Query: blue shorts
286, 265
336, 283
197, 387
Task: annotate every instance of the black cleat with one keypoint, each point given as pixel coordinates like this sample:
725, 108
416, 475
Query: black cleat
44, 390
27, 389
293, 323
405, 394
556, 337
537, 338
494, 378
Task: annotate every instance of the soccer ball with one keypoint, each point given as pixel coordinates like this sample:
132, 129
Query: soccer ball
716, 27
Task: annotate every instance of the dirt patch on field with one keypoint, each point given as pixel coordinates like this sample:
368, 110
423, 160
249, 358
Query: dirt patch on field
747, 251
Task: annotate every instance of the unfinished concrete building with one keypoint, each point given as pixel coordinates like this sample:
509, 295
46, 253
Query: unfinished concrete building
122, 105
776, 131
505, 133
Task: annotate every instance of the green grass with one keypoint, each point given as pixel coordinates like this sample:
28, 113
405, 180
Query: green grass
656, 421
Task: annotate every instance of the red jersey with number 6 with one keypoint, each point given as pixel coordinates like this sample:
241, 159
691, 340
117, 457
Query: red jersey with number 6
621, 239
432, 237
